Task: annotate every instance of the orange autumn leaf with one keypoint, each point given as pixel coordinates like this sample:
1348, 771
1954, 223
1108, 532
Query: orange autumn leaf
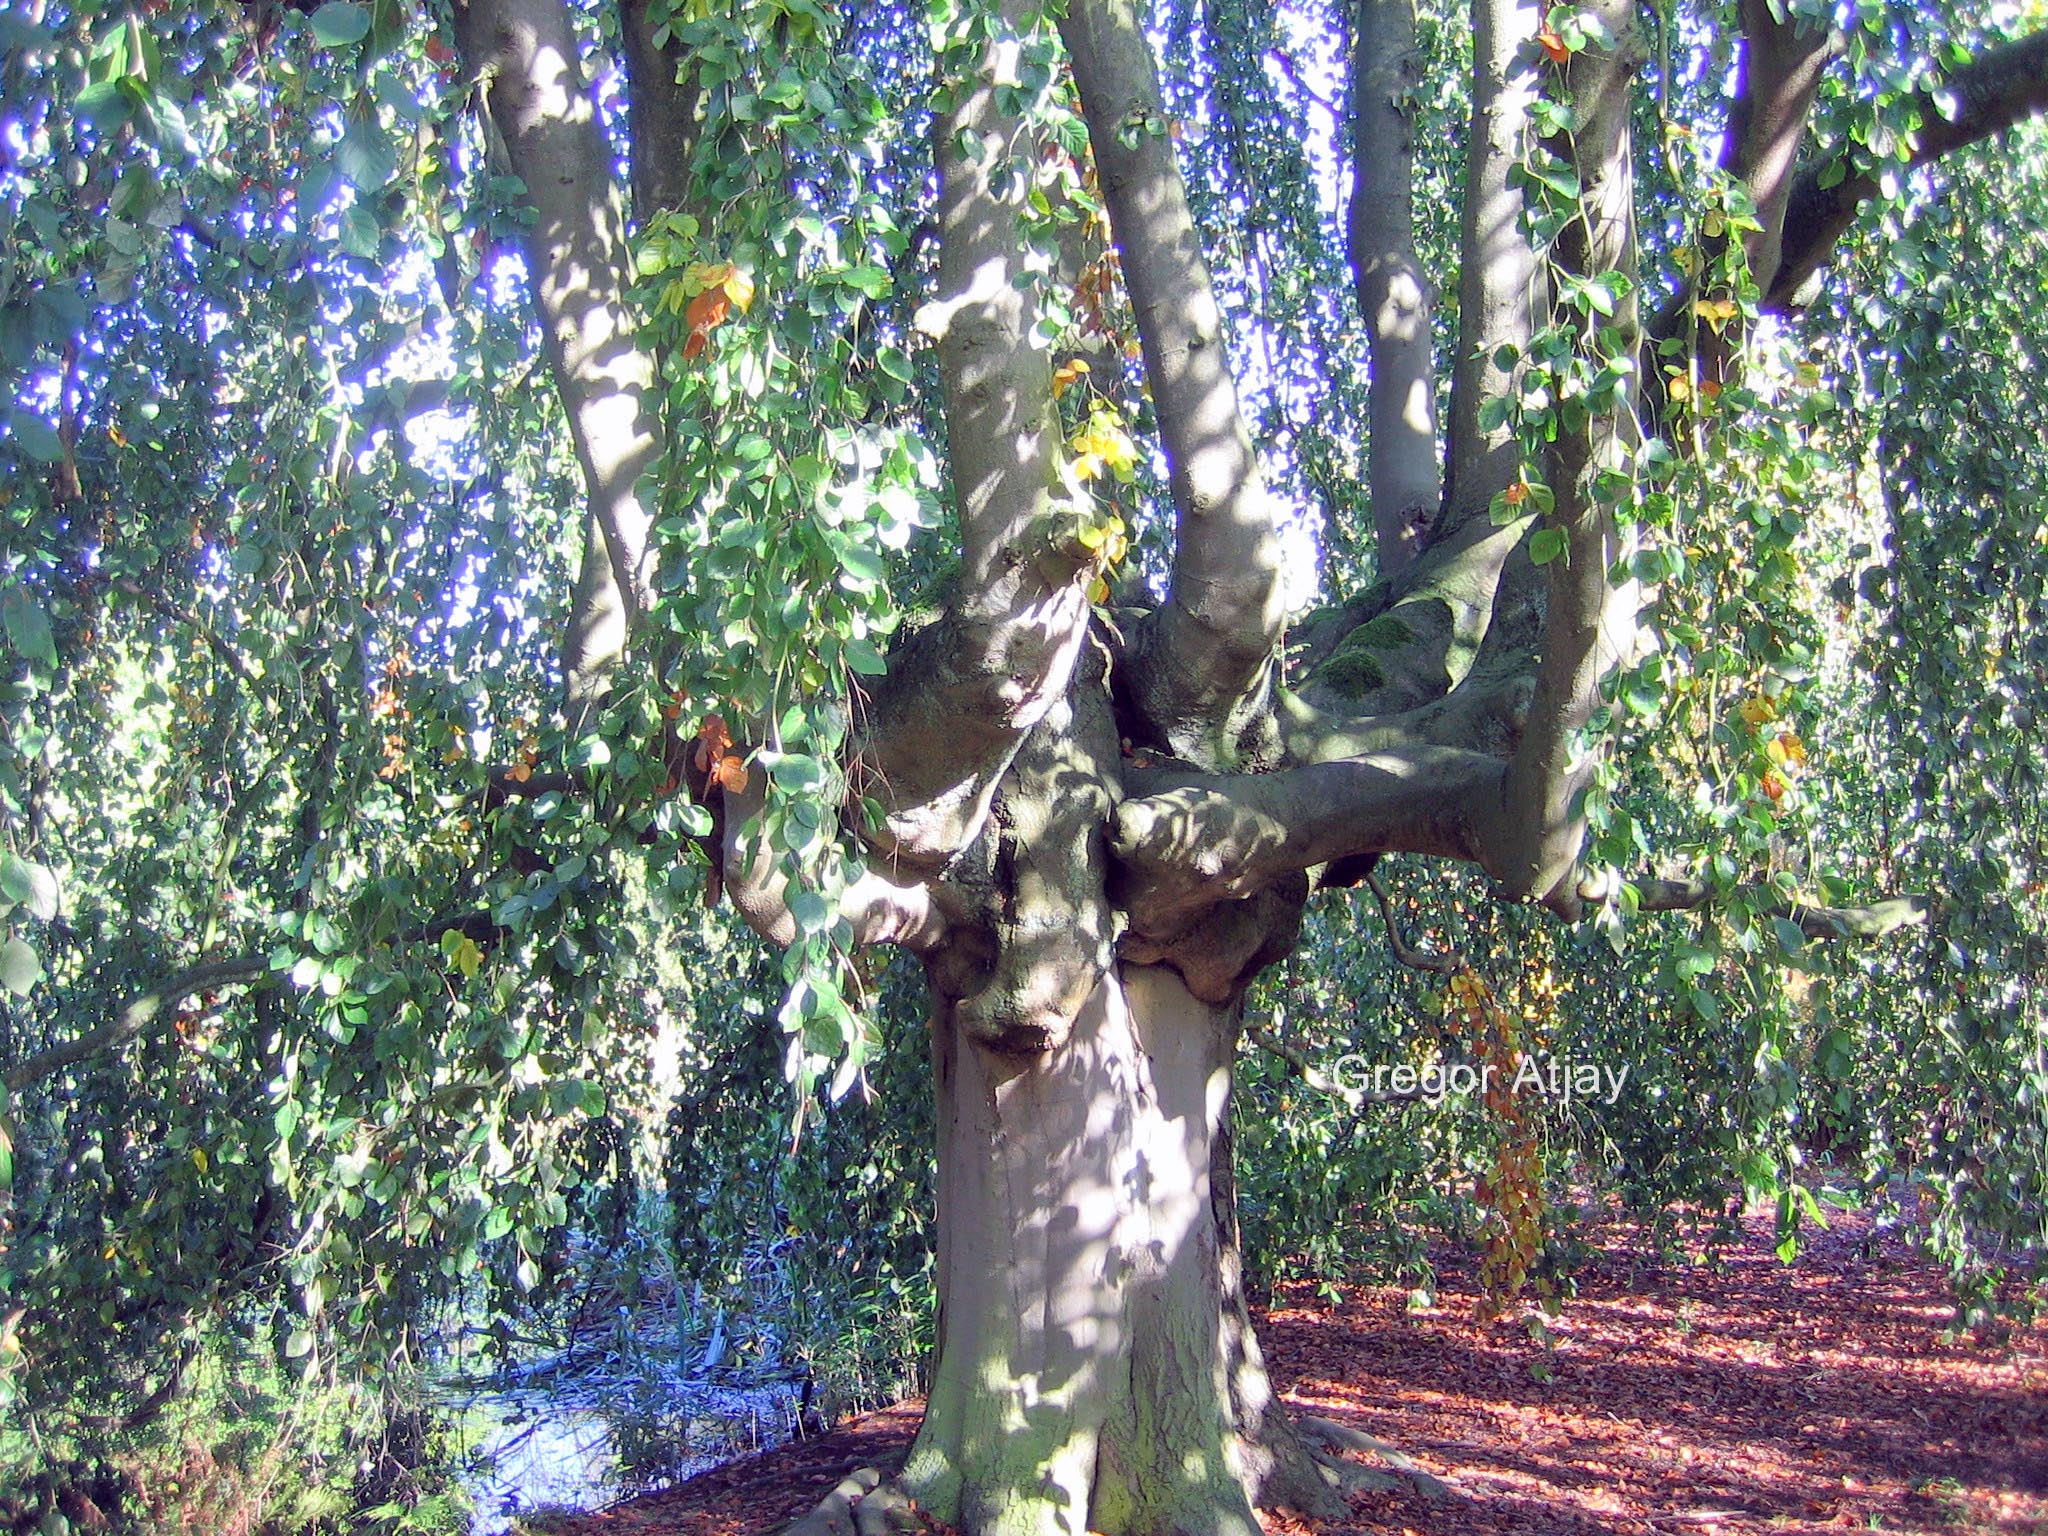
693, 346
708, 310
712, 741
730, 774
1553, 46
1517, 493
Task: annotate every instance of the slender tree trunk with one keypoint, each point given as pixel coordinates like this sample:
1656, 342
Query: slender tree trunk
1096, 1371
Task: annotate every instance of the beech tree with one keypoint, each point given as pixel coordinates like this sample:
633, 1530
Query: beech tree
1093, 783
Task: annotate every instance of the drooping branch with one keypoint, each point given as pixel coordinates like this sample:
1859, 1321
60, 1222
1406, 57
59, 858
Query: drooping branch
1211, 642
1437, 962
1395, 294
1313, 1076
1589, 621
1991, 93
1497, 272
525, 53
1874, 920
231, 658
962, 693
137, 1016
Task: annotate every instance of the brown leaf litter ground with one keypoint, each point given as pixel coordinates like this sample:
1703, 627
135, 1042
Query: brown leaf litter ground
1748, 1397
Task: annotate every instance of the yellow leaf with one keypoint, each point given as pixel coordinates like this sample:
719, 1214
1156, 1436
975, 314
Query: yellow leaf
1103, 444
739, 288
1064, 377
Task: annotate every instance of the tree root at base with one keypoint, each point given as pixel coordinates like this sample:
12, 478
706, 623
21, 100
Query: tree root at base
1331, 1441
861, 1504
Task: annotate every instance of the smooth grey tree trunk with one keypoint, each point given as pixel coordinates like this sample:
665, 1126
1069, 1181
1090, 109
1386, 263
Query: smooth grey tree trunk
1096, 1371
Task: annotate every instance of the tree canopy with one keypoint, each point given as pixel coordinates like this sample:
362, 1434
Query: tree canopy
1293, 528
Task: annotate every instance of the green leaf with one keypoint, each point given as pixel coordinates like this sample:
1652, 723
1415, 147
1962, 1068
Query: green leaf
366, 158
28, 627
339, 23
37, 438
864, 658
861, 563
811, 912
1546, 544
20, 970
1790, 938
359, 233
104, 105
31, 885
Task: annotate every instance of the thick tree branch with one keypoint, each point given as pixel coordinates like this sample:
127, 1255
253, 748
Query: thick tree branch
662, 98
877, 909
230, 657
1589, 619
525, 52
1497, 274
1216, 633
1395, 294
1989, 94
1783, 58
138, 1016
1187, 841
962, 693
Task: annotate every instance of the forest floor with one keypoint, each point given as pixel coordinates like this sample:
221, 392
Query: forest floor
1747, 1396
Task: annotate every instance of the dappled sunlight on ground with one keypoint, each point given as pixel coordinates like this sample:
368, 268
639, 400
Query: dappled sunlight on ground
1752, 1397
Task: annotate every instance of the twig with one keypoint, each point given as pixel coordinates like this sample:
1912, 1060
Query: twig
1445, 963
1316, 1078
190, 620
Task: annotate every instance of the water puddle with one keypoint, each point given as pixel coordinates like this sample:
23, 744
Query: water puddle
573, 1448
